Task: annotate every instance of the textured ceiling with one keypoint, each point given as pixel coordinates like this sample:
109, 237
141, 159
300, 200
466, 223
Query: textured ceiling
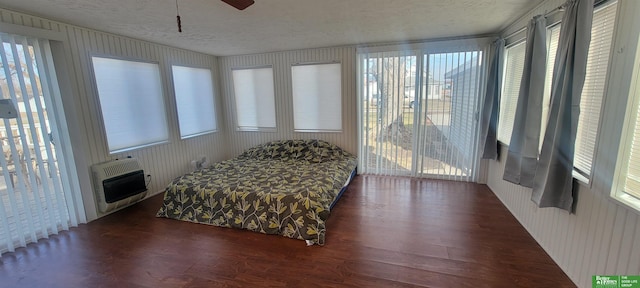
213, 27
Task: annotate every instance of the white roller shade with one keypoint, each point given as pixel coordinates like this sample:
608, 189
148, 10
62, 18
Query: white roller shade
130, 95
193, 89
255, 99
317, 97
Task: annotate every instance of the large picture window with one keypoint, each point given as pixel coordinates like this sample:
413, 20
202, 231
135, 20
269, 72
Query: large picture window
193, 89
131, 102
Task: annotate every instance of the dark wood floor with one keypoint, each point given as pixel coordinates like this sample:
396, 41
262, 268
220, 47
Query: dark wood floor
384, 232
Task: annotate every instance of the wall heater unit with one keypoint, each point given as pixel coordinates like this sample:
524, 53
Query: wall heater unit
118, 183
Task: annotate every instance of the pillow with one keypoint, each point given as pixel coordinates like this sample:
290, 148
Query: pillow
313, 151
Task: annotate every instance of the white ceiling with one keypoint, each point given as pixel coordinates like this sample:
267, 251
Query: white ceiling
213, 27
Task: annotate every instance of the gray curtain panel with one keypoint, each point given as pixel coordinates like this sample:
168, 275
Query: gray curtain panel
489, 120
520, 166
553, 184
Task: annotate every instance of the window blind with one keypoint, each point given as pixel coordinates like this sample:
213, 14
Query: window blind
592, 94
552, 48
38, 197
255, 99
317, 97
632, 165
630, 146
130, 94
594, 85
418, 111
513, 67
193, 90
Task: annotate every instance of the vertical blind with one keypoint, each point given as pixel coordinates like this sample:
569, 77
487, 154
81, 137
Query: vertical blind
255, 98
594, 85
418, 111
448, 127
193, 90
131, 101
387, 81
317, 97
36, 197
513, 67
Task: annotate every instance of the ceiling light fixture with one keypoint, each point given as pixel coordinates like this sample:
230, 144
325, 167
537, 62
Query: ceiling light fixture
178, 17
239, 4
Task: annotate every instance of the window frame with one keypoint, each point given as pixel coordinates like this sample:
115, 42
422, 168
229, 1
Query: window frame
213, 95
100, 111
518, 42
630, 119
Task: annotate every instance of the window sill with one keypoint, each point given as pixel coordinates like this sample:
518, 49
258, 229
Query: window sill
129, 149
581, 178
576, 175
316, 131
627, 200
256, 129
198, 134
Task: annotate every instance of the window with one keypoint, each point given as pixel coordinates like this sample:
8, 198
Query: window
255, 100
435, 136
553, 37
592, 94
513, 67
193, 89
130, 94
593, 89
594, 85
626, 181
39, 193
317, 97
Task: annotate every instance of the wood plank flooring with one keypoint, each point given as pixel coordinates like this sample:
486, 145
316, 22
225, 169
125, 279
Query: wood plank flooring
384, 232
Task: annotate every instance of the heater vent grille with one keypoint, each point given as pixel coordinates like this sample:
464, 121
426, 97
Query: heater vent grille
120, 167
118, 183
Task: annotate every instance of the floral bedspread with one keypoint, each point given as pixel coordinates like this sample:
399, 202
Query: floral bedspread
282, 187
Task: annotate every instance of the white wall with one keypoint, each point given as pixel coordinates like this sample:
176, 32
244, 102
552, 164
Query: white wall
281, 63
602, 237
164, 162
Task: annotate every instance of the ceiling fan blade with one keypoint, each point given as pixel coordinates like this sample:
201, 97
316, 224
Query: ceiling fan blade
239, 4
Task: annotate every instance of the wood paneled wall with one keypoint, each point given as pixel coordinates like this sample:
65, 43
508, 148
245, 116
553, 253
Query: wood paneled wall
164, 162
281, 63
602, 237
